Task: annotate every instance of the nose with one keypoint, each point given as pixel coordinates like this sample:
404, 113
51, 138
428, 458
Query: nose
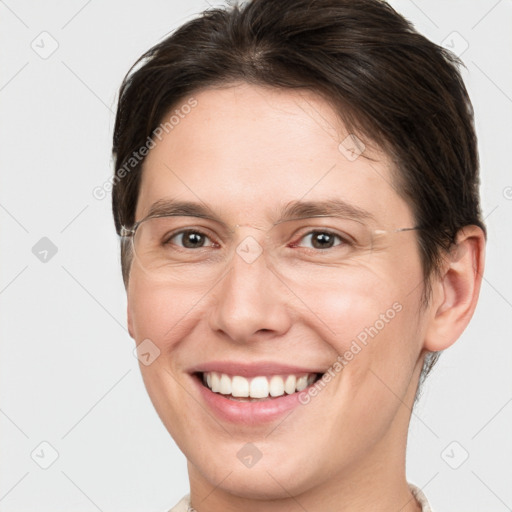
249, 302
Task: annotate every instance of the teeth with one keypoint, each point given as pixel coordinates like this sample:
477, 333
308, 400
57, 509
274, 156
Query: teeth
290, 384
257, 387
276, 387
215, 384
302, 383
225, 385
239, 386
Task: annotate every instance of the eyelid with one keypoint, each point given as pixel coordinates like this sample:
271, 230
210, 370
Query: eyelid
188, 223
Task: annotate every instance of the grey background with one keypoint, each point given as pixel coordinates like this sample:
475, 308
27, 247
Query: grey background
68, 376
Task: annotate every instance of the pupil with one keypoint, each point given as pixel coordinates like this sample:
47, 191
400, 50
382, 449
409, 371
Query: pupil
322, 240
192, 240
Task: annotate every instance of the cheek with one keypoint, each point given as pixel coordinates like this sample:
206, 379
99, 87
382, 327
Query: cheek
371, 321
378, 344
353, 306
160, 312
163, 314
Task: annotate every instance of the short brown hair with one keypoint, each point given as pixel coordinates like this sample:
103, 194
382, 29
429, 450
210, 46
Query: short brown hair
388, 84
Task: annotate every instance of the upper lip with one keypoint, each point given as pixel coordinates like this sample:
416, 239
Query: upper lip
245, 369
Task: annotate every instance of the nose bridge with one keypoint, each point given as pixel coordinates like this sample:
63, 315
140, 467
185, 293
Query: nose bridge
249, 274
249, 298
251, 252
251, 245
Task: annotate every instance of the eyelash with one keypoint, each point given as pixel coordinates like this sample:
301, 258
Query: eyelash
343, 240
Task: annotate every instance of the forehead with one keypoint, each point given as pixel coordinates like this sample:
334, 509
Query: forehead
250, 150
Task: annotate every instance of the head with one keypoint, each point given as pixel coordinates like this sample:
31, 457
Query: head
246, 112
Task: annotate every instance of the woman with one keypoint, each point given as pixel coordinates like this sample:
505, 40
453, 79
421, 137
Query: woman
297, 195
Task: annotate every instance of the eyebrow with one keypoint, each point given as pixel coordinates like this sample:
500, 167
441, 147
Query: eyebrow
172, 207
324, 208
294, 210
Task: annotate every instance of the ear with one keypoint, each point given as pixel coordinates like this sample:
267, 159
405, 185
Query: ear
455, 292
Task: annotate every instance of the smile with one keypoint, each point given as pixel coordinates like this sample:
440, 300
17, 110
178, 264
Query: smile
252, 394
258, 388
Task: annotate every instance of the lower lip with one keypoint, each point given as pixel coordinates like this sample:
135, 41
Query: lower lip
248, 413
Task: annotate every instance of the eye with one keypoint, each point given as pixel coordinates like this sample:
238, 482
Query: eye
321, 239
190, 239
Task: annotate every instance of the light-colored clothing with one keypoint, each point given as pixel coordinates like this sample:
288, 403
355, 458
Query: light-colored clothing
420, 498
184, 504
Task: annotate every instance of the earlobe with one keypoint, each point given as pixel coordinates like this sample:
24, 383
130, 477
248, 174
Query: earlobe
456, 290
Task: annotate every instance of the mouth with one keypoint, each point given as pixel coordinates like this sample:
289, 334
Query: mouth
259, 388
252, 394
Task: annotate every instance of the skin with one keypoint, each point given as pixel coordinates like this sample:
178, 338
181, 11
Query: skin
261, 148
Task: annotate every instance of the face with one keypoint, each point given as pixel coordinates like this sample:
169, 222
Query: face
266, 299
